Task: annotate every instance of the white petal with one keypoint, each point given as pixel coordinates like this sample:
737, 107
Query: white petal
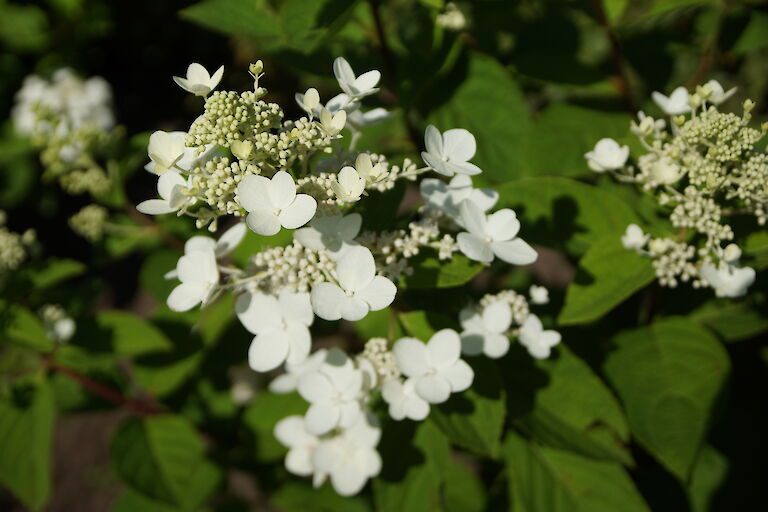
299, 461
349, 226
356, 269
484, 198
186, 296
459, 376
444, 348
516, 252
263, 222
497, 317
258, 312
349, 479
199, 243
252, 193
367, 81
155, 207
343, 71
378, 294
475, 247
416, 408
467, 168
268, 350
166, 183
281, 189
326, 300
353, 308
197, 73
290, 431
473, 219
459, 144
230, 239
433, 141
316, 387
296, 307
216, 78
436, 163
411, 356
321, 418
299, 212
496, 345
310, 238
433, 388
503, 225
300, 343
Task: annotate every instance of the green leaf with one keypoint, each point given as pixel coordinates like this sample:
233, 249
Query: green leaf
463, 490
55, 271
561, 402
756, 249
474, 419
262, 415
708, 476
379, 209
607, 275
668, 376
733, 321
542, 478
162, 458
26, 429
243, 17
152, 275
22, 327
414, 457
565, 132
23, 27
130, 335
423, 324
296, 497
561, 212
489, 104
754, 36
429, 272
132, 501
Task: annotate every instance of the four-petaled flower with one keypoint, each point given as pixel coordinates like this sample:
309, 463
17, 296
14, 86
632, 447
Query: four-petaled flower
485, 331
728, 280
348, 185
491, 235
607, 156
336, 234
447, 197
717, 93
534, 338
309, 101
403, 400
334, 393
634, 238
355, 87
359, 290
674, 104
198, 81
274, 203
436, 366
165, 149
449, 153
199, 274
332, 124
281, 327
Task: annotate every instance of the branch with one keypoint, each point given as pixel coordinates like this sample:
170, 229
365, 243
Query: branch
622, 78
137, 406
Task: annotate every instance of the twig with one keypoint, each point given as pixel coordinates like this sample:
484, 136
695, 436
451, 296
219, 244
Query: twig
139, 407
622, 82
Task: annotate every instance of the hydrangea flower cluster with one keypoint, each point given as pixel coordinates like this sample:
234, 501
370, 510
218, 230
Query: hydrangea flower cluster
242, 161
704, 167
71, 122
14, 247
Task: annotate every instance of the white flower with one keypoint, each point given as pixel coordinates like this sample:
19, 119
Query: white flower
357, 119
403, 400
538, 294
534, 338
369, 172
485, 332
676, 103
607, 156
291, 433
492, 235
199, 274
309, 101
226, 243
666, 171
332, 124
62, 329
350, 458
447, 197
335, 234
190, 158
355, 87
165, 149
436, 366
170, 187
289, 381
647, 125
198, 81
280, 325
728, 280
449, 153
359, 290
718, 95
348, 185
334, 392
274, 203
634, 238
732, 253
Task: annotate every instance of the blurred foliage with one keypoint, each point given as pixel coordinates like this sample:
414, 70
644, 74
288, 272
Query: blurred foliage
655, 401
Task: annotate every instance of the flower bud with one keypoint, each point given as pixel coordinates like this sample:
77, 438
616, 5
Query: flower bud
732, 253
